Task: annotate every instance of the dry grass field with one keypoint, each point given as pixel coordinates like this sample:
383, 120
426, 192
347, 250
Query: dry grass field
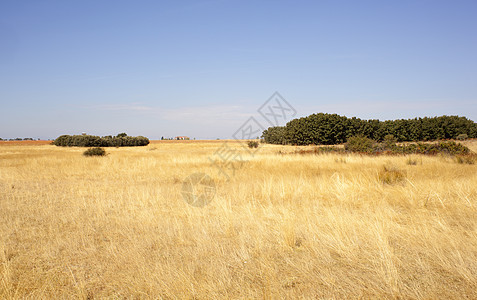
283, 226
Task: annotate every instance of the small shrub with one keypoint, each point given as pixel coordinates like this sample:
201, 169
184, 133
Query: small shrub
363, 145
391, 175
252, 144
97, 151
462, 137
359, 144
122, 140
453, 148
389, 141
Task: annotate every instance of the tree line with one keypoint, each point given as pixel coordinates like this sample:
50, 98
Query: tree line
330, 129
121, 140
18, 139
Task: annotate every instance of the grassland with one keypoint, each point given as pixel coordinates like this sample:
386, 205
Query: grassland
283, 226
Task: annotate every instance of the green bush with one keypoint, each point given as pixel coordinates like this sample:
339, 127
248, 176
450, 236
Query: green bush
121, 140
389, 141
96, 151
252, 144
359, 144
462, 137
447, 147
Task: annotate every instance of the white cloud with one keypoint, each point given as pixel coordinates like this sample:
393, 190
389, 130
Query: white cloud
207, 121
205, 114
124, 107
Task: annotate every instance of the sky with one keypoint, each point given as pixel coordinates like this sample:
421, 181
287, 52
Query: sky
203, 68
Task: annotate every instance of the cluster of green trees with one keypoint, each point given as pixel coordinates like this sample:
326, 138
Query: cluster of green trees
330, 129
121, 140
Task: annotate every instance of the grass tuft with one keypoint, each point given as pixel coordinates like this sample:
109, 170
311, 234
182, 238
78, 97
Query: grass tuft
391, 175
466, 159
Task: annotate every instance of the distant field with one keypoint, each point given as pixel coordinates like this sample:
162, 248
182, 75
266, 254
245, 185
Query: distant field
23, 143
42, 142
282, 226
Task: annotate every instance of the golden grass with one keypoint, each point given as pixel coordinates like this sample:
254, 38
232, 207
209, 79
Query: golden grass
285, 226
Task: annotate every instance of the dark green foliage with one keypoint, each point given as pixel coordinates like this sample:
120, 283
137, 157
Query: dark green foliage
252, 144
330, 129
449, 147
389, 141
97, 151
360, 144
446, 147
364, 145
462, 137
318, 129
274, 135
96, 141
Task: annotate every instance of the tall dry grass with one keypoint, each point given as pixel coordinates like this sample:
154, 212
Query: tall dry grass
285, 226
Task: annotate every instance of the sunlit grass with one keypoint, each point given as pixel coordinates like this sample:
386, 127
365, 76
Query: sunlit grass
285, 225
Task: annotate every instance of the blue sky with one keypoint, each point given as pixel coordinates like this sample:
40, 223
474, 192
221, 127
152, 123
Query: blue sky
202, 68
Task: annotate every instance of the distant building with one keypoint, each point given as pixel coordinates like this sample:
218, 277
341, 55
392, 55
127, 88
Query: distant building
83, 133
182, 138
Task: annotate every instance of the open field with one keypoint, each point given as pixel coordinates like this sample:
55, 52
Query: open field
24, 143
283, 226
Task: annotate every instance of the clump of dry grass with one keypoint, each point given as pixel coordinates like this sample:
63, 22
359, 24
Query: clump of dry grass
284, 226
466, 159
391, 175
413, 161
